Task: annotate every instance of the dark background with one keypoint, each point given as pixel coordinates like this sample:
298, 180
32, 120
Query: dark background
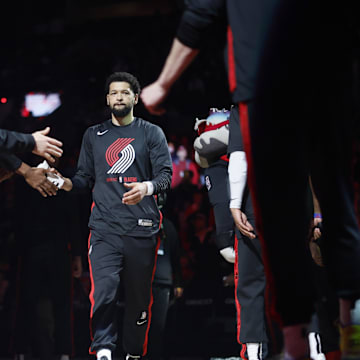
71, 47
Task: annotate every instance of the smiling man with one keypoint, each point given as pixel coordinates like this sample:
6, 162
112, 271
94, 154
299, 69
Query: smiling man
125, 160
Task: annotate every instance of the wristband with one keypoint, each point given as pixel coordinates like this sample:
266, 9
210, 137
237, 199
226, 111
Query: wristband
150, 188
317, 216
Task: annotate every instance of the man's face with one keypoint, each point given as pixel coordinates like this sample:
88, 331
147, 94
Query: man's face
121, 98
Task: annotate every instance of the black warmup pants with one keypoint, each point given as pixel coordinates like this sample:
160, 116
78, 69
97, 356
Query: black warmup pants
327, 311
132, 259
161, 294
217, 182
249, 272
250, 286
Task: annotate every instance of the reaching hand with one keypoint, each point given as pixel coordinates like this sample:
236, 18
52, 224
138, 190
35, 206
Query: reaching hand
317, 231
242, 223
152, 96
136, 194
67, 185
46, 146
36, 178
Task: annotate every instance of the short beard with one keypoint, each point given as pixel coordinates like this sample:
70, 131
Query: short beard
121, 112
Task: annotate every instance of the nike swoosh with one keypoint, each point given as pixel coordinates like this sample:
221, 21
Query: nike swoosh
141, 322
102, 132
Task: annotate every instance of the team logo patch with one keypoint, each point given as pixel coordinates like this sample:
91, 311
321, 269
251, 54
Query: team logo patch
208, 182
142, 319
120, 155
145, 222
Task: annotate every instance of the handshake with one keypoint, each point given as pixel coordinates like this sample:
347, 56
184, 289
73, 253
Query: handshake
57, 180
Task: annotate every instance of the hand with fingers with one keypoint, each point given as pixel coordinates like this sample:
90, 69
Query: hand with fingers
242, 223
317, 228
36, 178
46, 146
136, 193
152, 96
67, 185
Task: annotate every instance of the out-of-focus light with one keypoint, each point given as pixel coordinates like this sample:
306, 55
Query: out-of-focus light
3, 100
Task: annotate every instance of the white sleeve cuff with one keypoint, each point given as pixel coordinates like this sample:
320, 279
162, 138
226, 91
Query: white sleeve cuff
150, 187
237, 171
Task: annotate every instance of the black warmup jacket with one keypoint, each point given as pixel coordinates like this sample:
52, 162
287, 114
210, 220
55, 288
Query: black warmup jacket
9, 161
249, 22
113, 155
13, 142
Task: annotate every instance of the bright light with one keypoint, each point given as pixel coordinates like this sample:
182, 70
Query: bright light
3, 100
40, 104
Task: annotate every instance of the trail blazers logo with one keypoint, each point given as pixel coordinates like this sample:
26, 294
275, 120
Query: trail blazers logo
120, 155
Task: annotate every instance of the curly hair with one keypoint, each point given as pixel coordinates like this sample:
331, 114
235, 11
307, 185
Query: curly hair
125, 77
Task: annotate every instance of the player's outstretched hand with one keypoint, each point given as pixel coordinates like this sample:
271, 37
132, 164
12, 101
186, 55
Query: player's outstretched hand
37, 179
67, 185
135, 194
242, 223
46, 146
152, 97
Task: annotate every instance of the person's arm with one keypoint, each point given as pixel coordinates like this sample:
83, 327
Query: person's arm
37, 142
85, 173
237, 179
12, 141
317, 213
196, 20
5, 174
161, 169
178, 60
314, 246
36, 178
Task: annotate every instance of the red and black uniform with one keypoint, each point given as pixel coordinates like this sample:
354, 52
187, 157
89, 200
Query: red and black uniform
295, 114
250, 281
122, 243
249, 272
